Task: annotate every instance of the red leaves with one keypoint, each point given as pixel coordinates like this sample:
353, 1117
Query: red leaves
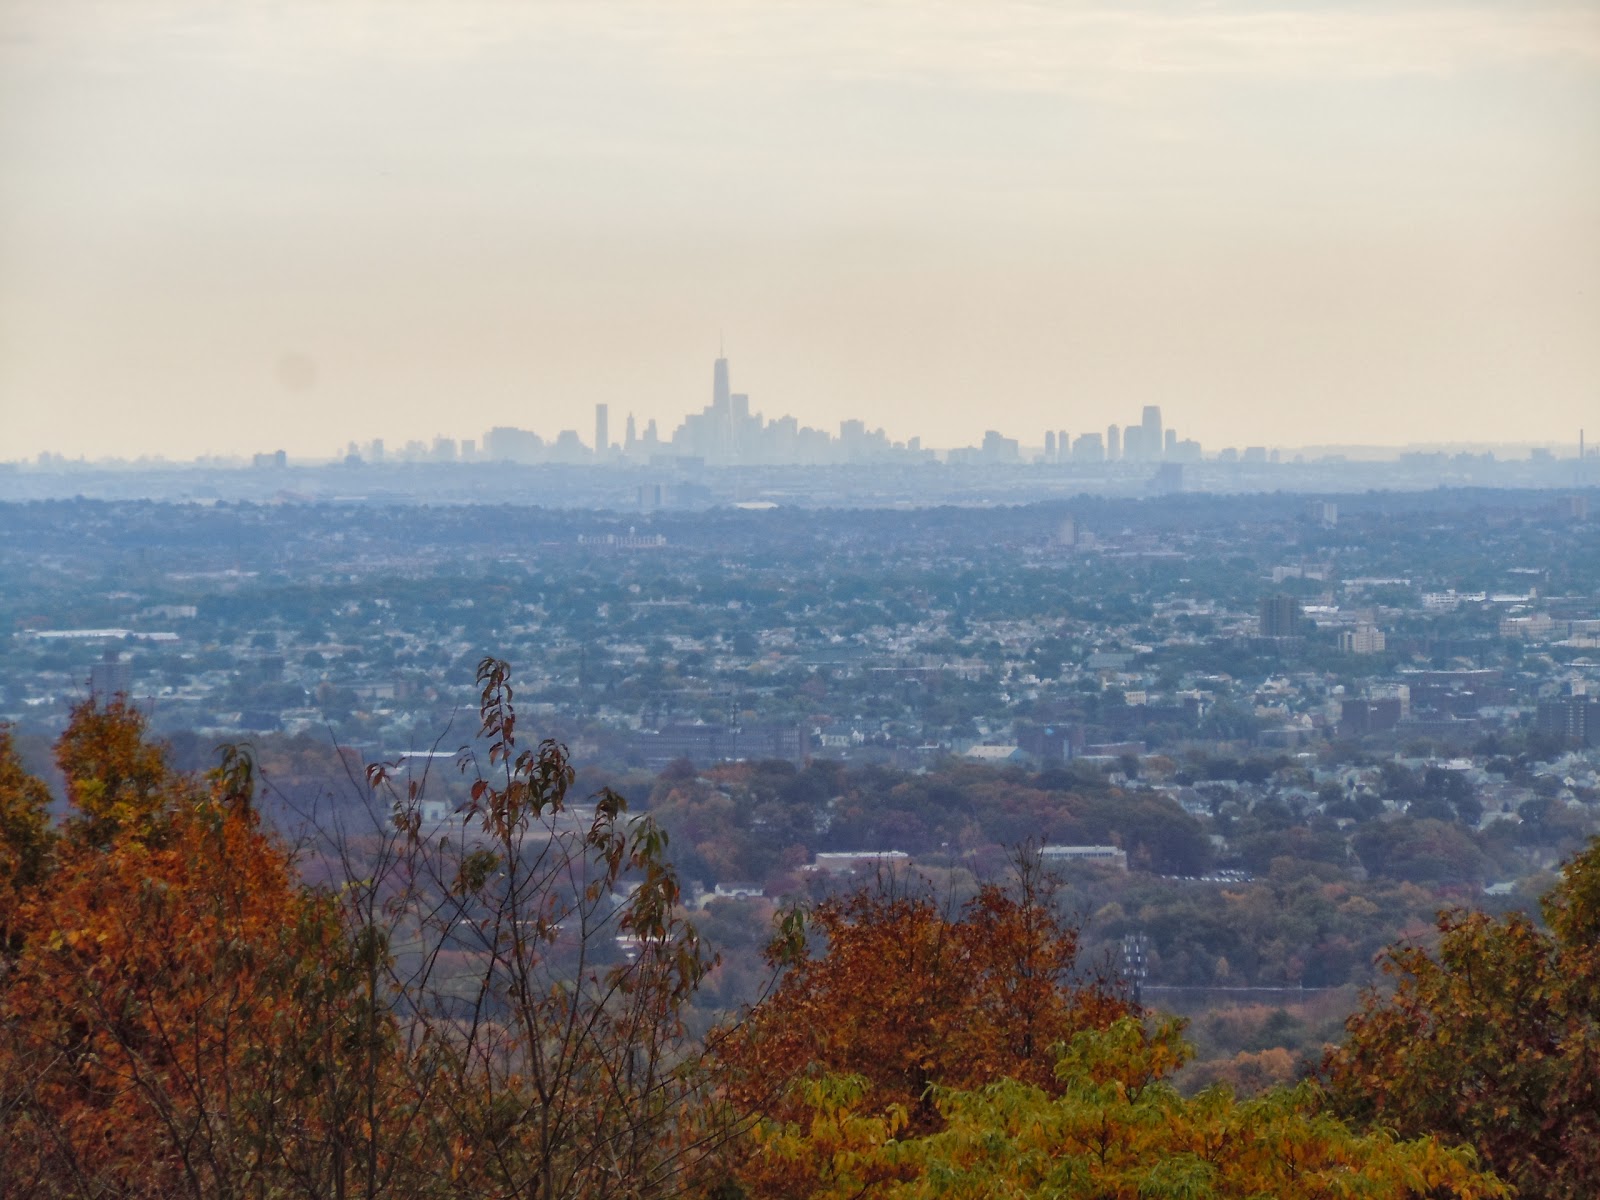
906, 996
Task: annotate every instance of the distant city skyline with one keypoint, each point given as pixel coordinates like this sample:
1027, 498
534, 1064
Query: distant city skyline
727, 431
226, 228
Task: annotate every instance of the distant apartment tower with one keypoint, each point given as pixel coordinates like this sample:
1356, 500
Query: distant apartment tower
1150, 431
1113, 443
110, 677
505, 443
1575, 718
1400, 693
997, 448
1280, 616
1049, 445
1168, 479
602, 429
1363, 639
1573, 508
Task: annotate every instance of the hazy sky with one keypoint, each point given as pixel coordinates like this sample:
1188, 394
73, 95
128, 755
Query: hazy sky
236, 225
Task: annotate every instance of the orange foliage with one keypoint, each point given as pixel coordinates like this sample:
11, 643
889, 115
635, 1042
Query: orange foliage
906, 998
26, 839
160, 975
1247, 1072
1492, 1041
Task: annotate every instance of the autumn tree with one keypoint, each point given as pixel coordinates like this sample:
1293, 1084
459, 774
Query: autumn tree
489, 1008
1492, 1040
540, 970
178, 1004
892, 990
1110, 1128
27, 840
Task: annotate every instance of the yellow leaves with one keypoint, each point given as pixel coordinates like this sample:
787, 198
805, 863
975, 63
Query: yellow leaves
1010, 1139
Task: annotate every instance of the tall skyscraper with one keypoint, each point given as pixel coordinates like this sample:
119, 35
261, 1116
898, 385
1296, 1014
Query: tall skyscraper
1280, 616
110, 677
1113, 443
630, 435
1150, 438
602, 430
1049, 445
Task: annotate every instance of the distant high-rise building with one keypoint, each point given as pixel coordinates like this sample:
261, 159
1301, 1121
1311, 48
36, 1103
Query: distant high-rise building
1170, 446
1150, 431
1280, 616
997, 448
1087, 448
1049, 445
506, 444
444, 449
1063, 445
630, 435
1113, 443
1168, 479
1573, 718
1133, 444
1363, 639
110, 677
569, 447
602, 429
1187, 450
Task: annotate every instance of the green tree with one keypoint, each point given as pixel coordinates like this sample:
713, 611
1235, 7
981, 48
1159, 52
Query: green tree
1112, 1129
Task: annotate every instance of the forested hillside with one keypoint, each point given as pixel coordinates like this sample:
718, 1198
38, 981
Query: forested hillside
514, 1008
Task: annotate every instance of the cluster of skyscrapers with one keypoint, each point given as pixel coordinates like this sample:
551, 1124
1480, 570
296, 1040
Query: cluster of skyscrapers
726, 432
1145, 442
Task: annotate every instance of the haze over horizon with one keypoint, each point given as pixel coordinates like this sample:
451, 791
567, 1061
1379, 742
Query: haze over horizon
229, 227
